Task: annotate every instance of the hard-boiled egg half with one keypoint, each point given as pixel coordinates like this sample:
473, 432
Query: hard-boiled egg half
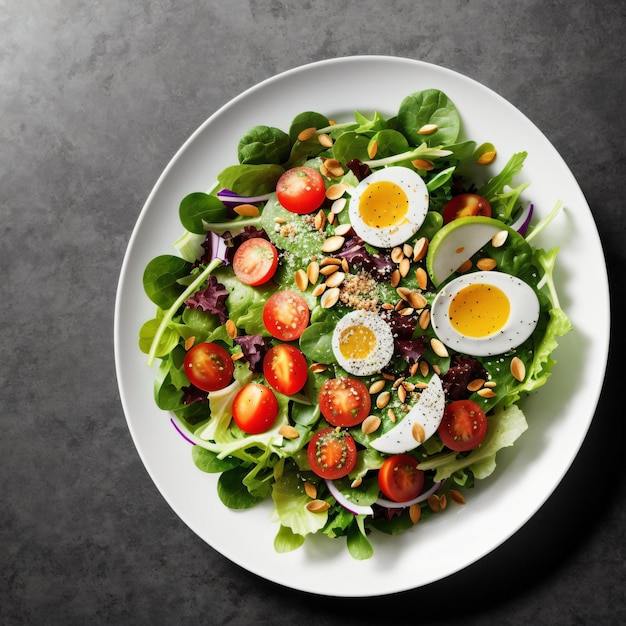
485, 313
388, 206
362, 343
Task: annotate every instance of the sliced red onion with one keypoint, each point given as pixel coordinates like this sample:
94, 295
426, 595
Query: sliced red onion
345, 503
231, 199
522, 223
181, 433
390, 504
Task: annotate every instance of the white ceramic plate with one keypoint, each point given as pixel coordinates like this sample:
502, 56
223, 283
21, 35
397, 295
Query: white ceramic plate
559, 414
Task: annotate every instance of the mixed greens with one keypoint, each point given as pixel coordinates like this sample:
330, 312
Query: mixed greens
201, 299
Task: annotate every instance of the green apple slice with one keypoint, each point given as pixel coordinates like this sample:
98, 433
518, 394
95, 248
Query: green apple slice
457, 242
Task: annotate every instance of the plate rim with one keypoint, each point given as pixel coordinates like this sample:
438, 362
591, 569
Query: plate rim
161, 181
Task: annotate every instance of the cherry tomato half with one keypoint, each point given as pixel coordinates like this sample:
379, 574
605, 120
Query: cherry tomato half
208, 366
344, 401
255, 261
464, 425
285, 368
399, 479
255, 408
466, 205
286, 315
332, 453
301, 190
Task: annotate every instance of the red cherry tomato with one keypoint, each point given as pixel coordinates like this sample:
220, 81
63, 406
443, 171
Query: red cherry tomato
399, 479
255, 408
285, 368
464, 425
208, 366
255, 261
344, 402
332, 453
286, 315
466, 205
301, 190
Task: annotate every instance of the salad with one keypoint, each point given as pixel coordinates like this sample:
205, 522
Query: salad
352, 315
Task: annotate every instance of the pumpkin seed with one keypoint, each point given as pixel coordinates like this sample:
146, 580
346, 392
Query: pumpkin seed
370, 424
456, 496
499, 238
383, 399
247, 210
518, 369
288, 431
415, 512
332, 244
317, 506
306, 134
231, 329
418, 432
377, 386
438, 348
486, 157
329, 298
420, 248
427, 129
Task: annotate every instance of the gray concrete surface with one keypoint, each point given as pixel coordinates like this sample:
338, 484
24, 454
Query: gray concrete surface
95, 98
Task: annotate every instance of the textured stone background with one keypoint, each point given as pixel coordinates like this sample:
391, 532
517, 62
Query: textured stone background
95, 98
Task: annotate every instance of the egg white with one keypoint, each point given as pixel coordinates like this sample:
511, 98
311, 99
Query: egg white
522, 320
381, 351
417, 195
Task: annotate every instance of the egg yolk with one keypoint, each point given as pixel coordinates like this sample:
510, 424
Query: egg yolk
357, 342
383, 204
479, 310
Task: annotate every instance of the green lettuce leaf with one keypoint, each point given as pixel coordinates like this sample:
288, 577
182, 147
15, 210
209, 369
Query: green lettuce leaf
506, 425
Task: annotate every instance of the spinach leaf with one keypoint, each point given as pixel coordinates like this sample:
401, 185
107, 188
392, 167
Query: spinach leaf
232, 492
198, 207
208, 461
316, 342
161, 276
251, 180
390, 142
304, 120
351, 145
430, 106
264, 144
168, 341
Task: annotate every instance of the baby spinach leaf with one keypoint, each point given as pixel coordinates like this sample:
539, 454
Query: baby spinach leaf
316, 342
304, 120
264, 144
351, 145
198, 207
232, 492
390, 142
430, 106
169, 338
251, 180
161, 276
208, 461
